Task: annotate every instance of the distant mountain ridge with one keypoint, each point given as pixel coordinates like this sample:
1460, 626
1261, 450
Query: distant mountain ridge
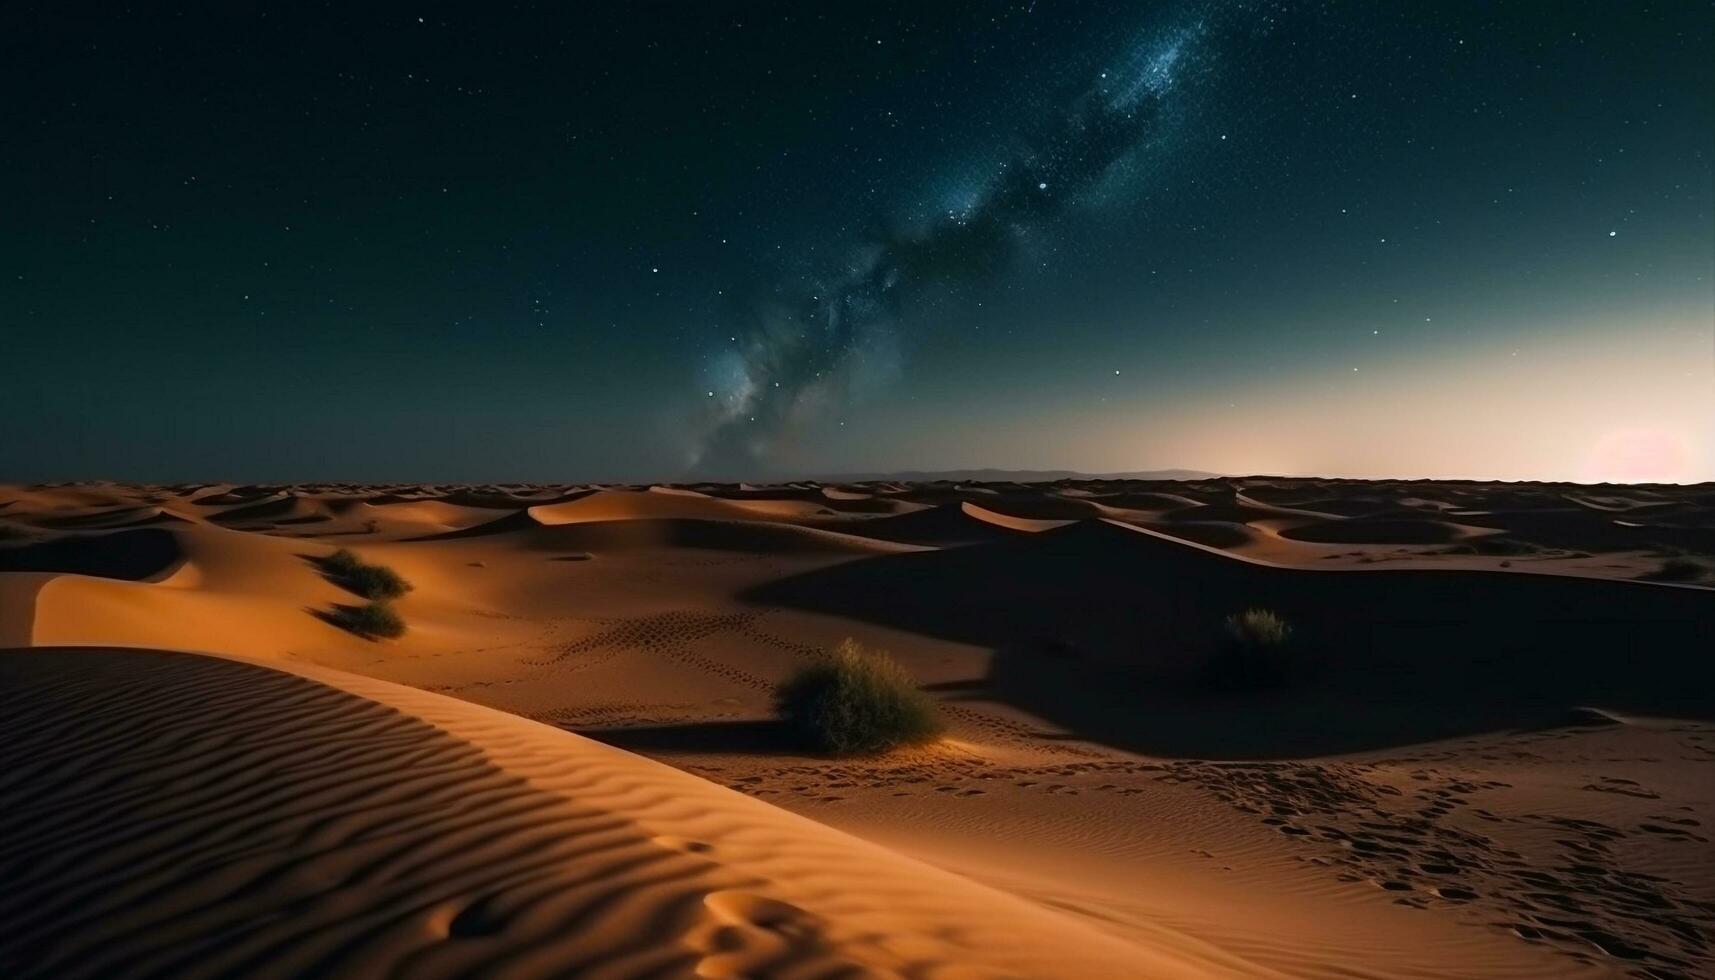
1011, 476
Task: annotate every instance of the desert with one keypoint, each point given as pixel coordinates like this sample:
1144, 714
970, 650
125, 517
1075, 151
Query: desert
1488, 754
1029, 489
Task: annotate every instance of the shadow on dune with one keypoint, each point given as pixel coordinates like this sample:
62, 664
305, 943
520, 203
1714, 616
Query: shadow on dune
758, 537
134, 554
1588, 530
518, 520
1101, 629
943, 525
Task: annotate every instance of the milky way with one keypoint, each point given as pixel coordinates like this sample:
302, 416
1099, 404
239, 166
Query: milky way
795, 362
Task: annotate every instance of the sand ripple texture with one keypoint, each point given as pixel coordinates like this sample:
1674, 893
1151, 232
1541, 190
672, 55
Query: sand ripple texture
178, 815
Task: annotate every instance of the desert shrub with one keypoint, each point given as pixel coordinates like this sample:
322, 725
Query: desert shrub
1254, 651
857, 702
358, 577
1259, 628
1678, 569
372, 619
342, 562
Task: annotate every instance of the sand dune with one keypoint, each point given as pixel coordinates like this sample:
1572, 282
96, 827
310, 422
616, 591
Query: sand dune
1150, 501
1483, 770
626, 505
947, 524
1409, 654
189, 816
1384, 530
1216, 534
713, 535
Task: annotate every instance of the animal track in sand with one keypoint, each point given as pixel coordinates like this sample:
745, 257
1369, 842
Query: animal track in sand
951, 777
749, 935
1586, 901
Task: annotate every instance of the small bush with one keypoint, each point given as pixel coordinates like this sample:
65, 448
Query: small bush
857, 702
342, 562
1254, 653
358, 577
371, 620
1259, 628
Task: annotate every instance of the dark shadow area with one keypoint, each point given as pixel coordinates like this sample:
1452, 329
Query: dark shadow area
133, 554
767, 737
276, 511
518, 520
1587, 530
974, 686
944, 525
753, 537
1103, 630
113, 517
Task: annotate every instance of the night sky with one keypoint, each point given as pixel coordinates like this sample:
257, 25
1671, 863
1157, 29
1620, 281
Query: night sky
562, 241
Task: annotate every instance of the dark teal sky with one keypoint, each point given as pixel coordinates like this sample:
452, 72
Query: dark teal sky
562, 242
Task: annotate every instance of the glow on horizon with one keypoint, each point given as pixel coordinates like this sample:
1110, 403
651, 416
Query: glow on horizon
1636, 405
1584, 403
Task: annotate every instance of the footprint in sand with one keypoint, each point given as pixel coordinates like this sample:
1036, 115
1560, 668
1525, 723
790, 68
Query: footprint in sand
747, 934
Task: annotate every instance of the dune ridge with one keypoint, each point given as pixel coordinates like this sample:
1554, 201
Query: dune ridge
199, 816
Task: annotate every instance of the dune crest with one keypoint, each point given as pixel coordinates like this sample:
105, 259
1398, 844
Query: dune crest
325, 824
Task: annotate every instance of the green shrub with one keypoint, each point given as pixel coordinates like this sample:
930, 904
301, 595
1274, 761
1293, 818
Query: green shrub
349, 572
857, 702
1254, 652
342, 562
370, 620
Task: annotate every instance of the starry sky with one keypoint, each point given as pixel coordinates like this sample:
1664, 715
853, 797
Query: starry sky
675, 241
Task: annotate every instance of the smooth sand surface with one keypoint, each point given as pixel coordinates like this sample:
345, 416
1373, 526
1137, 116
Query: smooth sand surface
1497, 762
